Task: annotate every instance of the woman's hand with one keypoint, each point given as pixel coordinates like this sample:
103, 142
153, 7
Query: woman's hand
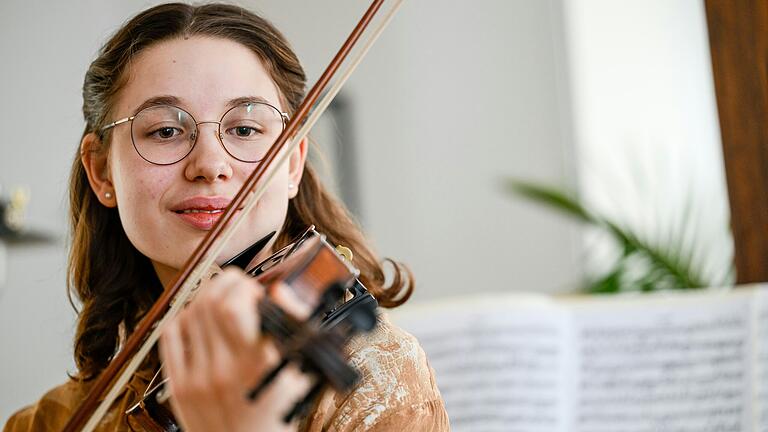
213, 353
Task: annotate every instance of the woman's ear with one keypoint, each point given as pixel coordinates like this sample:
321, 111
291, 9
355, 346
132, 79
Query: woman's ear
296, 167
96, 164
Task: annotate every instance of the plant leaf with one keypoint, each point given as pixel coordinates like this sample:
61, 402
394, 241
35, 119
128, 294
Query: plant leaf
551, 197
665, 263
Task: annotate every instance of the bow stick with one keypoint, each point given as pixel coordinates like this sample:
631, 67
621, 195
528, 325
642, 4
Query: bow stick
138, 345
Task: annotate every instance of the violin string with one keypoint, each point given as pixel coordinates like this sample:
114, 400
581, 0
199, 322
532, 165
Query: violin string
208, 261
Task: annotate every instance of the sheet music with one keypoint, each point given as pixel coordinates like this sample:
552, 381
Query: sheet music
664, 364
761, 360
499, 363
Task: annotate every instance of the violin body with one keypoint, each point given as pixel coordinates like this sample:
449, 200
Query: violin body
320, 277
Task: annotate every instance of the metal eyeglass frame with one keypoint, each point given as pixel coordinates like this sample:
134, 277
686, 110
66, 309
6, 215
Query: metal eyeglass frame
283, 116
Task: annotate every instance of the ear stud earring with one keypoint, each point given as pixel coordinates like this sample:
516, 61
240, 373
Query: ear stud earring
291, 185
108, 195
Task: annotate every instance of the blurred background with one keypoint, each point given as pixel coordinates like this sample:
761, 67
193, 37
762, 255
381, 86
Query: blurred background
612, 102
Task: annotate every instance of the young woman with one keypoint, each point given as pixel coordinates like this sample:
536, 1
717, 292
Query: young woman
180, 105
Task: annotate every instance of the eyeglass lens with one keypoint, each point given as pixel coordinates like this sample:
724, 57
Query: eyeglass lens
166, 134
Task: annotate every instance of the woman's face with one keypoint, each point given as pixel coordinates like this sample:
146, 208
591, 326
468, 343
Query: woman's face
160, 206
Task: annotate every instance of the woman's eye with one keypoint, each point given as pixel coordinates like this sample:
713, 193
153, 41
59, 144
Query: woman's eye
166, 132
245, 131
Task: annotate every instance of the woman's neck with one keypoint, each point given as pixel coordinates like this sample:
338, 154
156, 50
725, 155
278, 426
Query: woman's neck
165, 274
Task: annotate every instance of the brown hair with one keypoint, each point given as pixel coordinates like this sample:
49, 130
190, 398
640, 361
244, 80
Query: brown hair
115, 283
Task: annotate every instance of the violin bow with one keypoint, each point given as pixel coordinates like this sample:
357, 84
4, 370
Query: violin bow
119, 371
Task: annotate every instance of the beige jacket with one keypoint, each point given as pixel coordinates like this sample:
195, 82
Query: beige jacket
397, 392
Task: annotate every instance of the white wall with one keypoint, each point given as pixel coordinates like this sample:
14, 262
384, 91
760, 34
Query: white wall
455, 97
645, 123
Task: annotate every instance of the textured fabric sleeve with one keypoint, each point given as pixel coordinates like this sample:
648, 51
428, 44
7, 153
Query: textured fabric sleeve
20, 421
52, 412
397, 389
429, 416
48, 414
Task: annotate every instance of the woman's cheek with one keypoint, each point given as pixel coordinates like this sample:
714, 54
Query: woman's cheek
139, 203
268, 215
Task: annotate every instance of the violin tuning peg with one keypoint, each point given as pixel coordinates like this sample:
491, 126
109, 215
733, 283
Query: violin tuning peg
345, 252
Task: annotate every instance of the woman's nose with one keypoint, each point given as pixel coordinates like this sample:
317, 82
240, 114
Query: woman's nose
209, 160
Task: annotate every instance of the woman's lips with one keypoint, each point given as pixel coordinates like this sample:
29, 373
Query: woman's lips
201, 212
201, 219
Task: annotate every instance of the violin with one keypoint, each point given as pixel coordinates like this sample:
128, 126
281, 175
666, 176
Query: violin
318, 275
312, 268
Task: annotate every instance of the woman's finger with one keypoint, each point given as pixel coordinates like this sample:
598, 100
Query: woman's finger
238, 313
288, 389
198, 344
172, 350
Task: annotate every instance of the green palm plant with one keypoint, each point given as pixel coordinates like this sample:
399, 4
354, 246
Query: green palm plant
642, 264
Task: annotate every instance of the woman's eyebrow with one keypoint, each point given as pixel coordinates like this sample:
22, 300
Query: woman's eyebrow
247, 99
175, 101
159, 100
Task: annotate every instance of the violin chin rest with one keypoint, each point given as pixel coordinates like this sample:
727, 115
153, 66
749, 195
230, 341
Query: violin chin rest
244, 258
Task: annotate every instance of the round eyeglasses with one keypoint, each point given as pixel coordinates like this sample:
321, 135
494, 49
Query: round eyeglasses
166, 134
